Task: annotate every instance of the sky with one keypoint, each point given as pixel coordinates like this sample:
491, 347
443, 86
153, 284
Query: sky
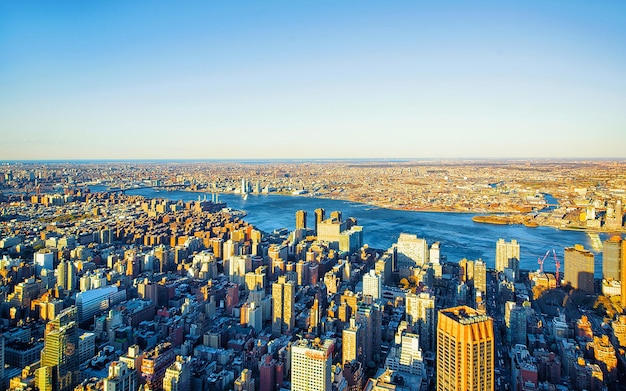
312, 79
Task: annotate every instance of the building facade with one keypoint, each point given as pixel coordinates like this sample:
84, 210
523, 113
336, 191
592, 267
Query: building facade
507, 255
311, 365
579, 268
283, 295
465, 350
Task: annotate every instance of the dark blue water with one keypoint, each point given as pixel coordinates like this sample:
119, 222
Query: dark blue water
459, 236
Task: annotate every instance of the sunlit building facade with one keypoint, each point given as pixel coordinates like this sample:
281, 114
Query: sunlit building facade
465, 350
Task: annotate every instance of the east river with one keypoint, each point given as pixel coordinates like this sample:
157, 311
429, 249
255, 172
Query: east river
459, 236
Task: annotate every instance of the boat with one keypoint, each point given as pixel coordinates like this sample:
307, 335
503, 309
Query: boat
491, 219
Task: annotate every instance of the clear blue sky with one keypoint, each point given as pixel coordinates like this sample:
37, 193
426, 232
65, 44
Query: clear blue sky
317, 79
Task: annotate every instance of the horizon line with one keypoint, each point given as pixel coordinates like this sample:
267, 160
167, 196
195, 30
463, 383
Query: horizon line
304, 160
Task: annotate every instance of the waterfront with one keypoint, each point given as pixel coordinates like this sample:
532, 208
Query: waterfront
459, 236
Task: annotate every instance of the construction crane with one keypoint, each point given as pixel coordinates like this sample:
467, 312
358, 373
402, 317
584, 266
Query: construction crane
540, 261
558, 266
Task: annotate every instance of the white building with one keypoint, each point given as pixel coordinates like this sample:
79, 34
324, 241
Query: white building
311, 365
44, 259
412, 251
373, 284
407, 358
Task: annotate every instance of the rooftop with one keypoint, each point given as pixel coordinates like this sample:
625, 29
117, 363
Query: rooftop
465, 315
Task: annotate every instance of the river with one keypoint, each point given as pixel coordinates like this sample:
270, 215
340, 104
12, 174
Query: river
459, 236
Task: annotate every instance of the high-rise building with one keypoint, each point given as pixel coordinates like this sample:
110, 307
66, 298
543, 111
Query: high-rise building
352, 342
301, 219
86, 346
320, 215
238, 266
383, 266
434, 255
311, 365
44, 259
62, 274
421, 315
579, 268
95, 301
614, 215
515, 321
59, 357
465, 350
623, 276
369, 316
283, 295
611, 258
411, 251
507, 255
1, 357
373, 284
407, 358
267, 369
121, 377
480, 276
71, 277
466, 270
339, 234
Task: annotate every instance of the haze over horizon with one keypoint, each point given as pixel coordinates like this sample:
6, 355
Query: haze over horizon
276, 79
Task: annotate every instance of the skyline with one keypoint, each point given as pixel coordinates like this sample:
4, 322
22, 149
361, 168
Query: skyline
366, 80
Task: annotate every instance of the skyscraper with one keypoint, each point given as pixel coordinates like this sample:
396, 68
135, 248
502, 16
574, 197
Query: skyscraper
320, 215
301, 219
62, 274
59, 357
579, 268
420, 313
370, 318
507, 255
515, 321
311, 365
465, 350
611, 258
480, 276
283, 295
623, 276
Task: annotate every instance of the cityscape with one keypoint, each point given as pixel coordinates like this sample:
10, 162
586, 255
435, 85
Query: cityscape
109, 282
313, 196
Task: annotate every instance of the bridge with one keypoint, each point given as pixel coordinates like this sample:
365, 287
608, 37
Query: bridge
165, 187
